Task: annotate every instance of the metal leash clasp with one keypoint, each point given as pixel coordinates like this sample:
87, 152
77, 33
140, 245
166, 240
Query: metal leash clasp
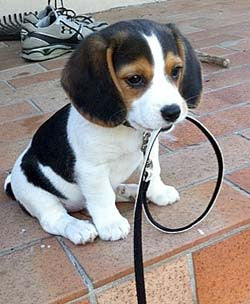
148, 167
148, 171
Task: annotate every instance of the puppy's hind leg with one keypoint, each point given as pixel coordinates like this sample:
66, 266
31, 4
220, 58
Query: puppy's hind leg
126, 192
54, 218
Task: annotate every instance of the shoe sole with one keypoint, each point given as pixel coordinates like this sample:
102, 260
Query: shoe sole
45, 53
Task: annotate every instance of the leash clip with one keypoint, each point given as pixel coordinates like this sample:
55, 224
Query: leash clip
148, 171
145, 139
148, 167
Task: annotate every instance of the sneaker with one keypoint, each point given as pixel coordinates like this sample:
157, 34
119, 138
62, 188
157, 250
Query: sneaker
39, 19
54, 32
59, 36
31, 19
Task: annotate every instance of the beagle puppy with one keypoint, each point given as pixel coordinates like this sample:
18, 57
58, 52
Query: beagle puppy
130, 77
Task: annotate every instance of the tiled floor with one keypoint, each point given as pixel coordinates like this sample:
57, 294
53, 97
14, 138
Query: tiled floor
209, 264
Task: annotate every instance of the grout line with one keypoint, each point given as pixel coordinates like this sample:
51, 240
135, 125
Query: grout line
115, 283
225, 69
197, 183
216, 43
229, 107
167, 149
83, 274
205, 142
76, 301
33, 103
17, 67
42, 67
217, 239
210, 90
191, 271
183, 253
237, 187
232, 52
9, 85
232, 170
213, 178
23, 246
242, 135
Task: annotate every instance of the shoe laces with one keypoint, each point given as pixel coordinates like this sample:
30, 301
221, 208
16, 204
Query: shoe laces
66, 25
71, 14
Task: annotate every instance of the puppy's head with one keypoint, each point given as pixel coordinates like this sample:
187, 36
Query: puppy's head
140, 71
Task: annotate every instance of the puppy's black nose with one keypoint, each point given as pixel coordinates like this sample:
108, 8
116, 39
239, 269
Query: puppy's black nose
171, 113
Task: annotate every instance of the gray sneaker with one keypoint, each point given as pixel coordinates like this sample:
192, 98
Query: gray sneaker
52, 36
54, 32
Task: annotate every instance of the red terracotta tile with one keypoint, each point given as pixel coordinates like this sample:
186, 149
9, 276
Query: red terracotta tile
245, 133
21, 71
222, 98
22, 128
48, 95
10, 52
54, 100
41, 77
227, 77
39, 274
10, 56
16, 111
55, 64
215, 40
241, 178
239, 28
12, 62
216, 50
170, 281
239, 58
228, 121
83, 300
219, 123
5, 91
242, 45
3, 196
17, 227
107, 261
185, 29
208, 68
222, 271
10, 151
197, 163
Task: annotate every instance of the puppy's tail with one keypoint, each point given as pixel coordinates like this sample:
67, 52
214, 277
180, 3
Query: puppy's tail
7, 187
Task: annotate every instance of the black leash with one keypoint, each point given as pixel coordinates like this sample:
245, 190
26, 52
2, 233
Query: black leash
141, 204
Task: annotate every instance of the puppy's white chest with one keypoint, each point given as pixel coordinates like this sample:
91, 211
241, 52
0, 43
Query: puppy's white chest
124, 166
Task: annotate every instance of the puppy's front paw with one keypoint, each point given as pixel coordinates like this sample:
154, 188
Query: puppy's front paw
80, 232
164, 195
113, 228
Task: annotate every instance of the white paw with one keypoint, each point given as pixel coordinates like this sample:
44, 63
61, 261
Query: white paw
113, 228
165, 195
80, 232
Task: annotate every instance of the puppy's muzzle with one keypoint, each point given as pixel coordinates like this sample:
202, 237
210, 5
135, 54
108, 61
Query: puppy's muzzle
171, 113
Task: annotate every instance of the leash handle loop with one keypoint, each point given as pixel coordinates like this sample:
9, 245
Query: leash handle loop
141, 204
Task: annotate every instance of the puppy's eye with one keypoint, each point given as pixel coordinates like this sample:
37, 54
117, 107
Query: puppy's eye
176, 72
136, 81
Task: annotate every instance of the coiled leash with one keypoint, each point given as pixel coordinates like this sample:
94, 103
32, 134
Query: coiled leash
141, 202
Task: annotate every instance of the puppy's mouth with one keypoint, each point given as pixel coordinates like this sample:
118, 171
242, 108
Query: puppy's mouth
138, 126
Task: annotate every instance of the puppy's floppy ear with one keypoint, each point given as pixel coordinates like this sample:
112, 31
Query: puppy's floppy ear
191, 79
89, 80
